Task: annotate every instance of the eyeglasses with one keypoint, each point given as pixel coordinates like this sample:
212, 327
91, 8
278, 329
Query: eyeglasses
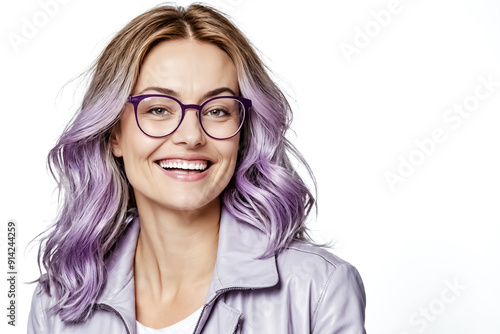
220, 117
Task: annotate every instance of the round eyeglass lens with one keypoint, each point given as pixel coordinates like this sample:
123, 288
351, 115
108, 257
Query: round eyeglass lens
158, 116
222, 117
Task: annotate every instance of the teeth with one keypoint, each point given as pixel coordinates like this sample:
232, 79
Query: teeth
183, 165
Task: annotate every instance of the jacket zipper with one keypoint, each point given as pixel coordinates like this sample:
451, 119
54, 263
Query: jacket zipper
108, 308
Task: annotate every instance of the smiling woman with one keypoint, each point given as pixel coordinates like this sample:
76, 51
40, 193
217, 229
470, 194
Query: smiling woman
182, 211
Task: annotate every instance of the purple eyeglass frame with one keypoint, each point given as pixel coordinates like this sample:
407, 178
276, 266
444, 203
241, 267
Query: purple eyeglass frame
136, 99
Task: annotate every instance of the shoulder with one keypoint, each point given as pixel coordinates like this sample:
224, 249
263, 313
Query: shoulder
333, 286
302, 257
38, 320
307, 250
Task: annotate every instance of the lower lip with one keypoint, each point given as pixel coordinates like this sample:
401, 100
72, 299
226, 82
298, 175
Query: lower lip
184, 175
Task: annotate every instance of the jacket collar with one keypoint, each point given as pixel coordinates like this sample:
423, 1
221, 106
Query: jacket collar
236, 267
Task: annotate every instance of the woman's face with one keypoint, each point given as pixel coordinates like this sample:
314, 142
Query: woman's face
189, 71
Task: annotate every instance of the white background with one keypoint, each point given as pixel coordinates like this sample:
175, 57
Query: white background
355, 118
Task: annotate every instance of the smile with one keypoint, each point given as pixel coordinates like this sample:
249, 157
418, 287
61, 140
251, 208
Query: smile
185, 170
187, 165
182, 165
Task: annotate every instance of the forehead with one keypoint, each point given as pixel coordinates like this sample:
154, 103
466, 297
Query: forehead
188, 67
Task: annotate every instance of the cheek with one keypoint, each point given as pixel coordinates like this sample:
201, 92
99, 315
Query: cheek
230, 152
231, 148
135, 146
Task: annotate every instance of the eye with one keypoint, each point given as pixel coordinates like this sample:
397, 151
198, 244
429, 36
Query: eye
216, 112
159, 111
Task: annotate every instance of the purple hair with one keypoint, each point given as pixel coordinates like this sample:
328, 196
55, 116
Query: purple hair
96, 200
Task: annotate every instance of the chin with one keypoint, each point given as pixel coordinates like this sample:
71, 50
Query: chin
189, 205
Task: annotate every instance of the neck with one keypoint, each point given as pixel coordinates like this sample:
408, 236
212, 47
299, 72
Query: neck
176, 249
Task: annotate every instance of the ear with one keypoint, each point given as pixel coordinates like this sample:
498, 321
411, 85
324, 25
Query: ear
115, 140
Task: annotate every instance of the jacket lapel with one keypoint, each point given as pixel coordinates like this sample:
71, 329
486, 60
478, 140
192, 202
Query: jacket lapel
237, 265
236, 268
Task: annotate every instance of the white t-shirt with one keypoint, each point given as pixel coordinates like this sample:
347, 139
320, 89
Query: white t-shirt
185, 326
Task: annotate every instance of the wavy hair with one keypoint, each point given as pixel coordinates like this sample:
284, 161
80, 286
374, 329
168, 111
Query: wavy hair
96, 200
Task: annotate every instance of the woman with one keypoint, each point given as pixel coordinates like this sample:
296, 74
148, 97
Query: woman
182, 212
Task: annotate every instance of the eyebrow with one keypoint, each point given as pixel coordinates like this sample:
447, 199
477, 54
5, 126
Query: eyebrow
171, 92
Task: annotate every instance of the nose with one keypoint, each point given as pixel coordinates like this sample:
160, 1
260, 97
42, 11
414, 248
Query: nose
189, 133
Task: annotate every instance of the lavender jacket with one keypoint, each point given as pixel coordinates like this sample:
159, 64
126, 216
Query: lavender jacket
305, 289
